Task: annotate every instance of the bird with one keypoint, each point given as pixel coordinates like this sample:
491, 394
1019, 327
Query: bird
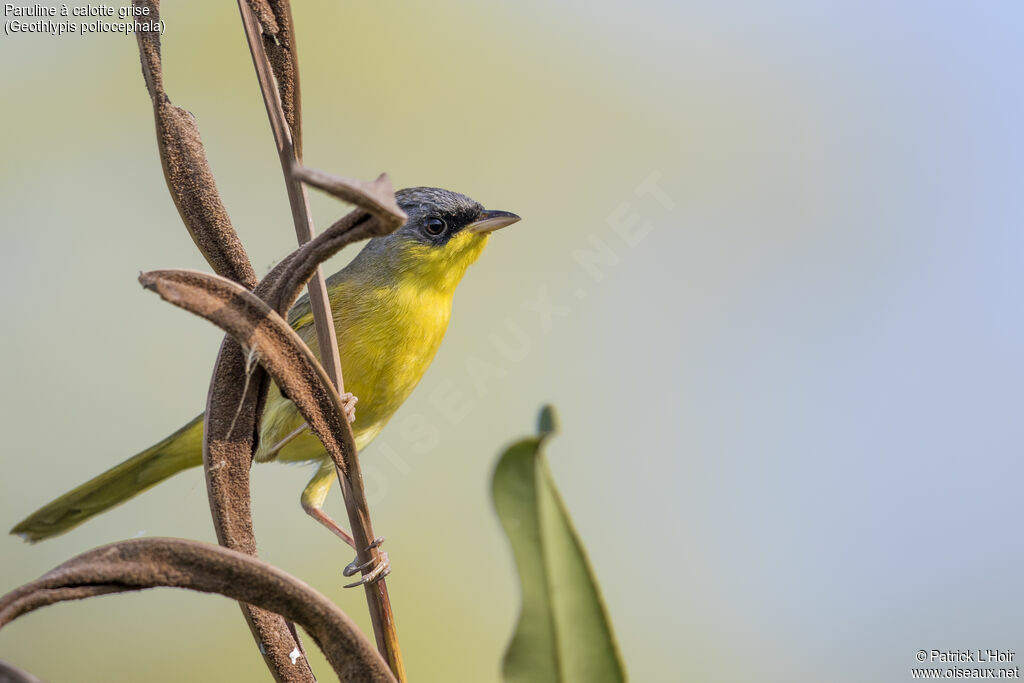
391, 306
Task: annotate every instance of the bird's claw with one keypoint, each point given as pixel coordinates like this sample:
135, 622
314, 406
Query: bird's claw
348, 406
382, 569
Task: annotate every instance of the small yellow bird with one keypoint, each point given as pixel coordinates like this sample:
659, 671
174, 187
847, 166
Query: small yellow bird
391, 307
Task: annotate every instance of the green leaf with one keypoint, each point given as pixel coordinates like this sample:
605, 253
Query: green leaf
564, 635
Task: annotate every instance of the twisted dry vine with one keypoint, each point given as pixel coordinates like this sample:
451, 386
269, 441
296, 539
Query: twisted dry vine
178, 563
238, 388
276, 81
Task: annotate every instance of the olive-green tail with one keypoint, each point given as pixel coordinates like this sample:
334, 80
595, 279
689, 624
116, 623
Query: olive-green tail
179, 451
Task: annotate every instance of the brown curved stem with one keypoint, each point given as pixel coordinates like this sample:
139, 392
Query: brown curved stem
153, 562
293, 367
226, 457
346, 459
186, 169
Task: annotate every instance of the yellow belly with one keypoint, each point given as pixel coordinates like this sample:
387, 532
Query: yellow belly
387, 338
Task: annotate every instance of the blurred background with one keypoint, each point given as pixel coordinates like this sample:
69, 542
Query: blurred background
769, 272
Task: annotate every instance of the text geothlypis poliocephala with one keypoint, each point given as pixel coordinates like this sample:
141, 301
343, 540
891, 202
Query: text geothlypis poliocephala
391, 307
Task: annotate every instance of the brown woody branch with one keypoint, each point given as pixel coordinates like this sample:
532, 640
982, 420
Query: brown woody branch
273, 344
345, 458
278, 33
282, 285
376, 196
239, 387
267, 339
153, 562
297, 198
187, 171
226, 457
235, 402
233, 407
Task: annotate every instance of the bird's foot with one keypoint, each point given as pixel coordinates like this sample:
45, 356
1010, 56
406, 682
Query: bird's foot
382, 568
348, 406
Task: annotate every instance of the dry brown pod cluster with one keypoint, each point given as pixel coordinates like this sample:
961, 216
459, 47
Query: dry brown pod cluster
259, 346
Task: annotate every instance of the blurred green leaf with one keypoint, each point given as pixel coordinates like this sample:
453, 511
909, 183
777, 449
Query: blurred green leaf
564, 634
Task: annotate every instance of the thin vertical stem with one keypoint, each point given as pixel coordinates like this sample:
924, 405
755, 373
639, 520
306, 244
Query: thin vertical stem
351, 480
298, 199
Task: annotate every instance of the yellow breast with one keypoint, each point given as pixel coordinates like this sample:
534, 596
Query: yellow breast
387, 337
391, 309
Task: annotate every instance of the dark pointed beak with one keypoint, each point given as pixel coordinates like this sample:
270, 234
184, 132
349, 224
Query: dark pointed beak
489, 221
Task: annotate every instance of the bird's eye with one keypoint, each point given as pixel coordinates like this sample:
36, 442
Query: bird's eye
434, 226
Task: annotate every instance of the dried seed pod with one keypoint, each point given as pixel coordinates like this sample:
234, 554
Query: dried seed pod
178, 563
187, 171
